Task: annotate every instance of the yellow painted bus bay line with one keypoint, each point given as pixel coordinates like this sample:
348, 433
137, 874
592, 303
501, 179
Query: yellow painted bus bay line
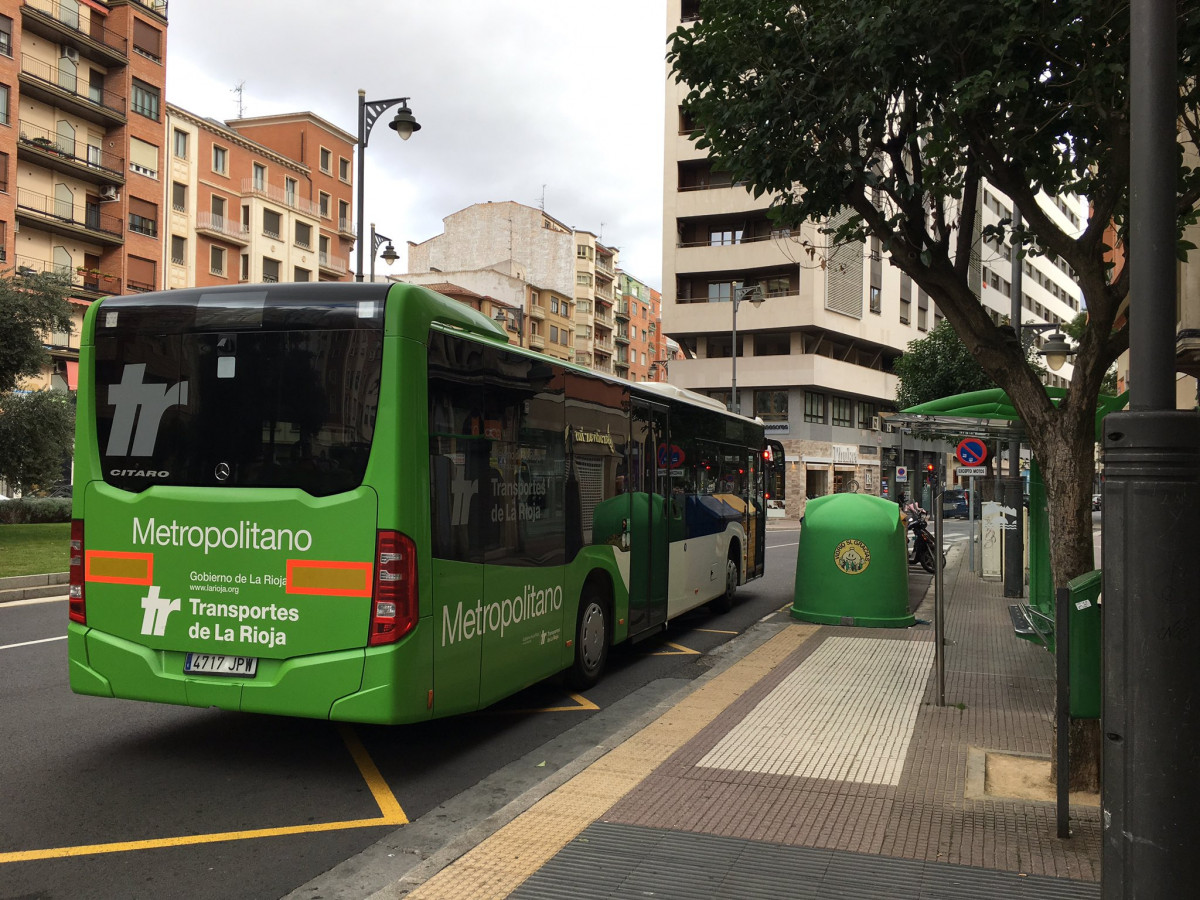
389, 807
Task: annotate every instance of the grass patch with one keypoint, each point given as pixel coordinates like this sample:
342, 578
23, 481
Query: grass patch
34, 549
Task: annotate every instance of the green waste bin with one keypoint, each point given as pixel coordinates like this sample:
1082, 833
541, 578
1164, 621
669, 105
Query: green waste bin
1083, 612
852, 563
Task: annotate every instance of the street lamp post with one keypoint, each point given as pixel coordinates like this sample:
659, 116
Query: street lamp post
389, 252
1056, 349
403, 124
755, 296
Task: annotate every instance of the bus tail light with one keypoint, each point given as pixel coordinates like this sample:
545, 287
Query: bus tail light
75, 599
394, 604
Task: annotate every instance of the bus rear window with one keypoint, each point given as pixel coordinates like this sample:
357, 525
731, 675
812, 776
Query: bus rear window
286, 402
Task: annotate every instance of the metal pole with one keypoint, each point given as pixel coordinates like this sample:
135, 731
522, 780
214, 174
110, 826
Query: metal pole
939, 620
1062, 658
362, 146
1014, 558
372, 253
1151, 609
733, 400
971, 522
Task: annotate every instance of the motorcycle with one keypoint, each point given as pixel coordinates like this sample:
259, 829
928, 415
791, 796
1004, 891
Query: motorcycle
923, 544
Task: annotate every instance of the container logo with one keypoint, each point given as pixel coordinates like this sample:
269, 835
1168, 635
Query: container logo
852, 557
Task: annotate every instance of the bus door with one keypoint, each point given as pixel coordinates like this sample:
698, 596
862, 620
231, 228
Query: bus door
649, 470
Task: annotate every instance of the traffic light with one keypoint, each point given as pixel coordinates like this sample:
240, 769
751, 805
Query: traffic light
930, 468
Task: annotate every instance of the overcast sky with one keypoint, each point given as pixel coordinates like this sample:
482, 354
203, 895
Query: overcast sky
514, 97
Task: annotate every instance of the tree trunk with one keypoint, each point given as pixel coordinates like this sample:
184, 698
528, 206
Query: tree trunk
1063, 443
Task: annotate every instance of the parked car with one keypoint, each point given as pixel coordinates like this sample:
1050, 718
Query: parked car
954, 503
1095, 501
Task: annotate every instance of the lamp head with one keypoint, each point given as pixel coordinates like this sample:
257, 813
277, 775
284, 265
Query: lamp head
404, 123
1056, 350
389, 254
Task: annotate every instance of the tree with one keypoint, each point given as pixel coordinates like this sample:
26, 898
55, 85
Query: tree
896, 113
30, 306
35, 438
938, 365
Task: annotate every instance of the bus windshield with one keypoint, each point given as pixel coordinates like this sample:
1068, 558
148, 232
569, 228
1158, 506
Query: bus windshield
221, 391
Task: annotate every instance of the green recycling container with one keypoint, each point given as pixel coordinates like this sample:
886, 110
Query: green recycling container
852, 563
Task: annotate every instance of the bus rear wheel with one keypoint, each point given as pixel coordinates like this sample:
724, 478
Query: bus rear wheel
733, 572
593, 633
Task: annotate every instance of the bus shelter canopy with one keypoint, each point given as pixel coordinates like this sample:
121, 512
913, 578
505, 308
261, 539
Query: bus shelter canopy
987, 414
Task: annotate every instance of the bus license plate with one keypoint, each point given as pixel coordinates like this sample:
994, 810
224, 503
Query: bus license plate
210, 664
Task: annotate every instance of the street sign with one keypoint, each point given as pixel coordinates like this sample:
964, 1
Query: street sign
970, 471
902, 473
971, 451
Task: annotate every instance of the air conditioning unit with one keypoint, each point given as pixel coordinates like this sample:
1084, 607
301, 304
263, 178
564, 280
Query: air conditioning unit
109, 192
875, 423
70, 53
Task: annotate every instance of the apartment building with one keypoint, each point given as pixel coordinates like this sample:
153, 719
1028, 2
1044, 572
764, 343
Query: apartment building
640, 351
595, 305
520, 256
246, 203
816, 339
81, 150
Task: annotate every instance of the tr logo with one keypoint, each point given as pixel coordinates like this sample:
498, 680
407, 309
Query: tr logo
142, 403
158, 610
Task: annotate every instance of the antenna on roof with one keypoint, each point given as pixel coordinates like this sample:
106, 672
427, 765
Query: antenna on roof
542, 204
240, 90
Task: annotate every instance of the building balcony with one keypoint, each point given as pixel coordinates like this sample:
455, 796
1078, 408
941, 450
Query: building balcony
290, 199
63, 218
332, 265
43, 147
537, 312
603, 345
717, 200
537, 342
622, 338
603, 318
810, 370
222, 228
62, 24
746, 256
85, 284
346, 229
60, 87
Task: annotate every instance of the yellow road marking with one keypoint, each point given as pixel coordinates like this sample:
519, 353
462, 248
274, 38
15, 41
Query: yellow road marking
679, 650
582, 704
717, 631
392, 814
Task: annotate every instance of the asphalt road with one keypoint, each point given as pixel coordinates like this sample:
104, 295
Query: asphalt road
111, 798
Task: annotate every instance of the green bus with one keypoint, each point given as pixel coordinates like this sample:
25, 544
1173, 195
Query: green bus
360, 502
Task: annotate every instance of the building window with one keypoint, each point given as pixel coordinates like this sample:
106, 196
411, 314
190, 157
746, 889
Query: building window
5, 36
178, 197
876, 300
147, 41
718, 237
3, 174
905, 299
220, 160
218, 209
178, 250
814, 407
143, 158
344, 216
866, 412
303, 236
771, 406
344, 169
270, 270
843, 411
141, 223
245, 276
3, 104
260, 177
289, 191
216, 261
144, 99
324, 204
300, 274
583, 278
181, 142
272, 222
583, 251
326, 161
554, 334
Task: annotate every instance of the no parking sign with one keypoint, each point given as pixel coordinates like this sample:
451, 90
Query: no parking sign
971, 451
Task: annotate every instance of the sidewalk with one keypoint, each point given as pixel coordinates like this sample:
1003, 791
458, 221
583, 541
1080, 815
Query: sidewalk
816, 765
